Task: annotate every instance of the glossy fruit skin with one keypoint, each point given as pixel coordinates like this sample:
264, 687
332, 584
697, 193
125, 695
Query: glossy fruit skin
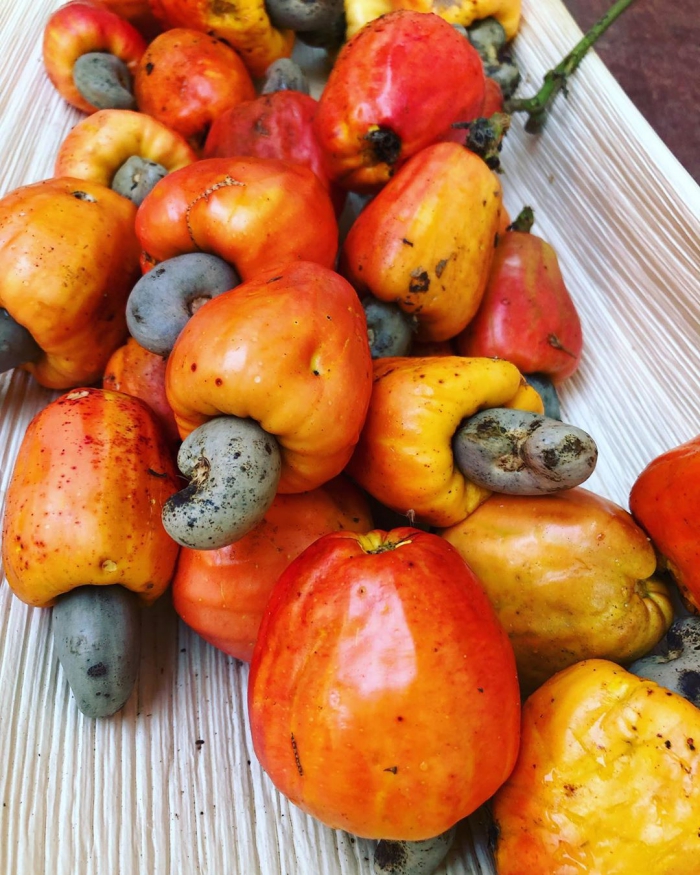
665, 501
68, 259
395, 76
288, 349
254, 213
404, 457
426, 241
77, 28
527, 314
186, 78
382, 694
222, 594
606, 782
83, 505
493, 98
133, 370
571, 577
246, 27
99, 144
276, 125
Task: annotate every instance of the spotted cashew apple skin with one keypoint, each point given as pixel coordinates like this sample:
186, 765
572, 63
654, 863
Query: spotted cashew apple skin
254, 213
245, 25
102, 142
383, 697
571, 576
83, 504
83, 28
527, 314
133, 370
405, 456
391, 92
187, 78
68, 259
222, 594
606, 781
425, 242
289, 350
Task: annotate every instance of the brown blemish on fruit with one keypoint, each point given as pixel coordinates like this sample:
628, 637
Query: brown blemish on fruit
419, 282
295, 750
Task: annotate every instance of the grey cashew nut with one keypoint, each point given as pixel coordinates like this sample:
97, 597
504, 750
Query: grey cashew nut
17, 346
305, 15
677, 664
284, 74
96, 633
234, 468
136, 177
389, 329
412, 858
547, 392
104, 81
489, 39
487, 36
517, 452
163, 300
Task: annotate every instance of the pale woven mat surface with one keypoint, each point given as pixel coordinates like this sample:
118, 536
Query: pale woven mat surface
135, 794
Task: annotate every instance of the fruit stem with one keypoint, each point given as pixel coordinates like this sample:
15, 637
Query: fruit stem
555, 80
524, 221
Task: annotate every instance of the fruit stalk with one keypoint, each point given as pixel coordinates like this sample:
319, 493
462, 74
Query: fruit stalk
555, 80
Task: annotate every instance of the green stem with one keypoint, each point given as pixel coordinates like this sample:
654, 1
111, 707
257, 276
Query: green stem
523, 221
555, 80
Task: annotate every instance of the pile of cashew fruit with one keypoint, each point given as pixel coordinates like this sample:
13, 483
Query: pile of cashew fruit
305, 372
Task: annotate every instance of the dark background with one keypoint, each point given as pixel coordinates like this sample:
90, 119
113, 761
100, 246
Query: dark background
653, 50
